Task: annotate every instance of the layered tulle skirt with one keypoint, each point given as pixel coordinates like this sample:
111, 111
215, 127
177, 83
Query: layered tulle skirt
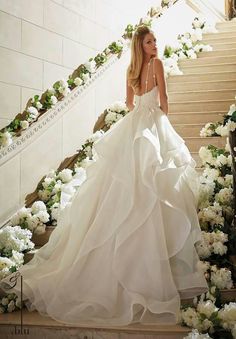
123, 250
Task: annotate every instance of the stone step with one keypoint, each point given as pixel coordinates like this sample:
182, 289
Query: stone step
217, 39
194, 143
211, 76
36, 326
225, 297
208, 61
222, 52
205, 69
219, 34
204, 85
217, 46
226, 94
197, 158
195, 118
188, 130
226, 24
200, 106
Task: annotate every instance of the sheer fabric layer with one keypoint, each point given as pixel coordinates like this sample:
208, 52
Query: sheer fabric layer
123, 250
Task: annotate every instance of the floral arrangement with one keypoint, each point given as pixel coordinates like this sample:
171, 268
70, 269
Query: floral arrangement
206, 316
221, 128
14, 242
187, 46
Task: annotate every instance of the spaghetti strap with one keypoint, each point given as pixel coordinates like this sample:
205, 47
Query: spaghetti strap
153, 73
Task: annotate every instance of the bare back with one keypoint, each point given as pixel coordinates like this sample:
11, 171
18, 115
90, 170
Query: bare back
147, 78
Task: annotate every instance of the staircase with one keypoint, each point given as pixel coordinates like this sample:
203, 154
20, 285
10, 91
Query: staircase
203, 94
206, 90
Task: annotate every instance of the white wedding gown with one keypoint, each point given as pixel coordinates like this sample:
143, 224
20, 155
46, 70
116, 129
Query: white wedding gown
123, 250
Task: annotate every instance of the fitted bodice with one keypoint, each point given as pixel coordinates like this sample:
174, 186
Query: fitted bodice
149, 99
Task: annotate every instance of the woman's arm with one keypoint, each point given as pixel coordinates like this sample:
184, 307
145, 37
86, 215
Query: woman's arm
129, 97
159, 72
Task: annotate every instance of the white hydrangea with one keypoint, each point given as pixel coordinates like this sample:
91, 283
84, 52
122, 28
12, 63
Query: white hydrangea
24, 124
53, 100
207, 308
224, 196
90, 66
33, 113
63, 87
227, 316
15, 238
5, 139
222, 130
212, 215
38, 206
221, 277
78, 81
196, 335
65, 175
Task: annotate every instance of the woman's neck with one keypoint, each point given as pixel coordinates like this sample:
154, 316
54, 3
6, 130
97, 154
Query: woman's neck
147, 59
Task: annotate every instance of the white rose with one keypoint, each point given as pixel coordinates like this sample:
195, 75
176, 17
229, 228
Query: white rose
53, 100
38, 105
38, 206
24, 124
78, 81
65, 175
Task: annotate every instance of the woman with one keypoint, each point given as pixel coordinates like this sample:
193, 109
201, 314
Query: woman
123, 250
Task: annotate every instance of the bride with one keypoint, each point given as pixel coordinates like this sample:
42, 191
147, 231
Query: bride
123, 250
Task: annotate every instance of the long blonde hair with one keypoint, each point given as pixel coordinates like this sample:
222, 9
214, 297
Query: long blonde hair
134, 69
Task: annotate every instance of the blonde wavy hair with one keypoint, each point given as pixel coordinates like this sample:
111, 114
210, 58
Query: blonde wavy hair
134, 69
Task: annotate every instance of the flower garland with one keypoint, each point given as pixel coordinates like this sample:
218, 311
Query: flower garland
187, 46
37, 106
221, 128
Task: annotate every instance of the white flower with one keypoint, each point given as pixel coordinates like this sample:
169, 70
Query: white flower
4, 301
51, 90
222, 130
44, 195
190, 317
53, 100
207, 308
90, 66
65, 175
228, 315
117, 106
38, 206
43, 216
24, 124
191, 54
33, 113
78, 81
85, 77
38, 105
221, 278
11, 306
55, 211
224, 196
5, 138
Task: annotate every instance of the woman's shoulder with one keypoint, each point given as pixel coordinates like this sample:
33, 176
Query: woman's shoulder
157, 61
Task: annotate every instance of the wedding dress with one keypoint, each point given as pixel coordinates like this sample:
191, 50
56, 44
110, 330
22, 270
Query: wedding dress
123, 250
